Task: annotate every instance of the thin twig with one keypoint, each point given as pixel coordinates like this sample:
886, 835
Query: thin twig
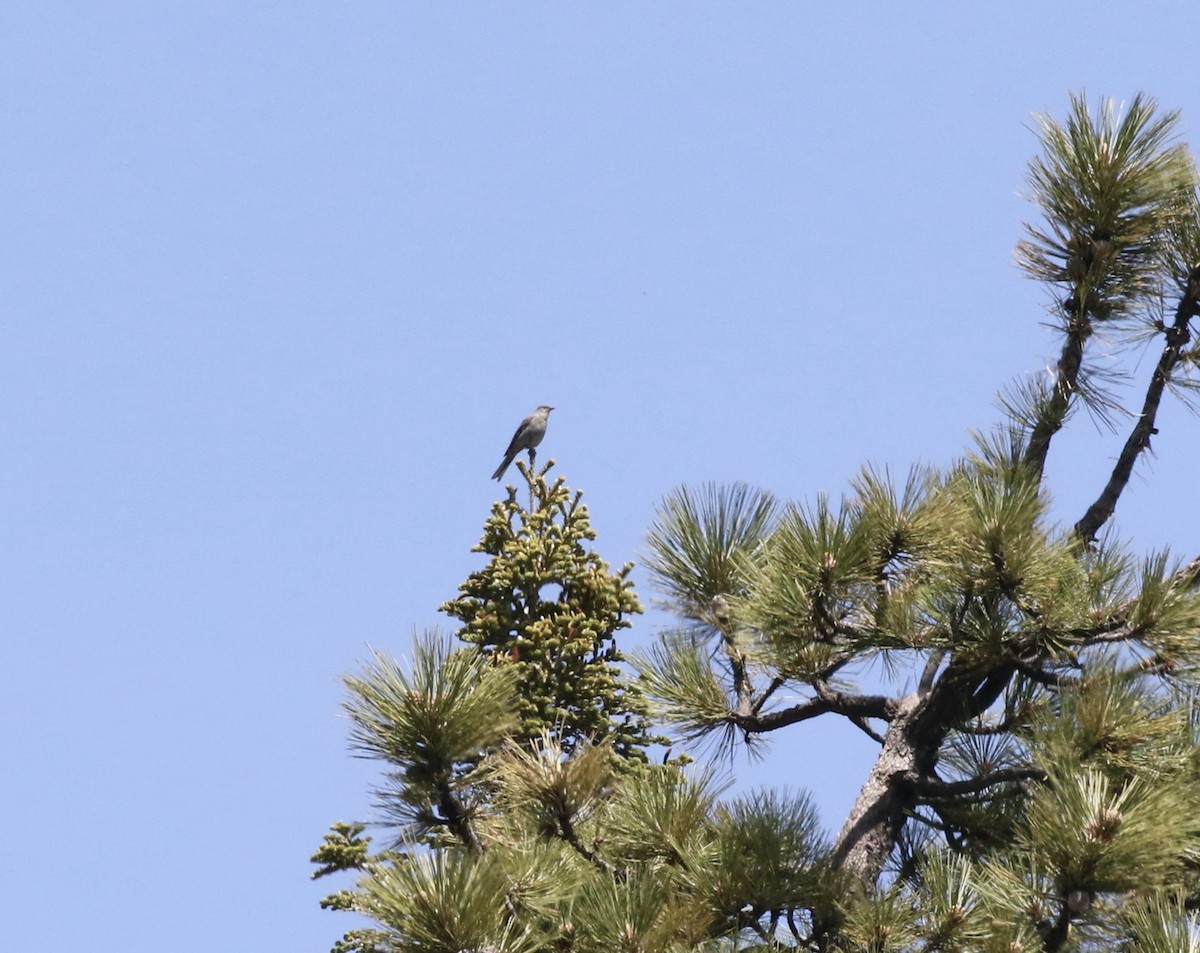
776, 683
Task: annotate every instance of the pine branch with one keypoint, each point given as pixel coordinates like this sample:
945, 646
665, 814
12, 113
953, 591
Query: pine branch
1054, 936
864, 726
1177, 337
1111, 188
1188, 577
828, 700
1050, 679
837, 698
931, 788
989, 689
925, 685
950, 832
1156, 664
791, 922
776, 683
566, 830
1107, 635
1066, 382
457, 818
838, 663
743, 688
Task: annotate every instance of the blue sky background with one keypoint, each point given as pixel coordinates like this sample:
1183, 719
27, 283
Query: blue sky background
278, 280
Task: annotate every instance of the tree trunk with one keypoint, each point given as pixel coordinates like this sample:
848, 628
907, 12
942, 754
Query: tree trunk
869, 834
909, 755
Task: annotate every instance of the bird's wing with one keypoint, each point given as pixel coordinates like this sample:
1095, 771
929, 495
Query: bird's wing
518, 440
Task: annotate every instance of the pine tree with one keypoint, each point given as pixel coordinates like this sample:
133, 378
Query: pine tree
1038, 770
1036, 783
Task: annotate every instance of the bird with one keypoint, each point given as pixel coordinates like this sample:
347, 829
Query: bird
528, 436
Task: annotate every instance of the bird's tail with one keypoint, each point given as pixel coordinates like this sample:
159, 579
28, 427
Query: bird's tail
504, 466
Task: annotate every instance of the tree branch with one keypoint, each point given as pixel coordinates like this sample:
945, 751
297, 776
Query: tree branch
1121, 633
566, 831
1050, 679
776, 683
1178, 335
931, 666
931, 788
457, 818
1155, 664
1066, 381
1188, 577
827, 700
1054, 935
835, 666
742, 687
989, 690
865, 727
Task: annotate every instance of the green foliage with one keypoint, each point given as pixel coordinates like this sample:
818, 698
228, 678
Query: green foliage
1120, 724
950, 912
1097, 835
880, 924
449, 901
1118, 201
638, 914
678, 674
704, 543
662, 819
1111, 185
770, 858
542, 792
361, 941
582, 857
548, 606
1160, 925
344, 848
1036, 711
433, 725
1035, 774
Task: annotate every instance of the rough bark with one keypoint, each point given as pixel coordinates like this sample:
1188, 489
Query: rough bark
873, 824
908, 758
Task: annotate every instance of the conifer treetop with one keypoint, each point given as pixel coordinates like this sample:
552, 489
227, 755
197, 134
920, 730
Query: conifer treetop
547, 603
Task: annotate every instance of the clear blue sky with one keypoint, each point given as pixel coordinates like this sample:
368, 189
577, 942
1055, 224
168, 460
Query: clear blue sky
278, 279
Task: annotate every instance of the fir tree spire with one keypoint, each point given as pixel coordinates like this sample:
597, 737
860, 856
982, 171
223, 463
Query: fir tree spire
549, 605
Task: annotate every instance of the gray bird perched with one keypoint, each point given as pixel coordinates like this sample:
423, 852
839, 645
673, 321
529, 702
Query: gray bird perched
528, 436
